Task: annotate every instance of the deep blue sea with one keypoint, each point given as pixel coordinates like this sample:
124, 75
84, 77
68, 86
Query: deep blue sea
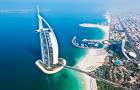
20, 48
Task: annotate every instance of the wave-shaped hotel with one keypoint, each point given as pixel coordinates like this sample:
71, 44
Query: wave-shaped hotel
49, 63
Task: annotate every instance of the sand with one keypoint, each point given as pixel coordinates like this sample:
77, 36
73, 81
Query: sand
102, 27
94, 57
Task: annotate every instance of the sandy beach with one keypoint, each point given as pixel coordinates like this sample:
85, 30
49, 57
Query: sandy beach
102, 27
94, 57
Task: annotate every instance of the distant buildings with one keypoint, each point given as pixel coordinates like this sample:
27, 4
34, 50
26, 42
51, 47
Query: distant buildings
123, 63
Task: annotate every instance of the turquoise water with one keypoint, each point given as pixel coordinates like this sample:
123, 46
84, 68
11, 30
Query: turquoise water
20, 48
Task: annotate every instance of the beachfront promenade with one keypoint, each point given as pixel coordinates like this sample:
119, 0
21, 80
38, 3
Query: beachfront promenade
91, 74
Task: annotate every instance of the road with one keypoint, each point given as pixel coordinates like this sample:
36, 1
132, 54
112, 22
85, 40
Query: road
91, 74
130, 39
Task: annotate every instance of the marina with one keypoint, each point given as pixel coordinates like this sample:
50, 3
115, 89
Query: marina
85, 43
70, 45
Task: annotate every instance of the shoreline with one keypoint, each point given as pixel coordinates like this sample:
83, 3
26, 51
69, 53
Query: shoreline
92, 60
104, 28
94, 57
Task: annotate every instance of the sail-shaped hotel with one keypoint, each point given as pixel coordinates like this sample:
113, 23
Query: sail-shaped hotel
49, 63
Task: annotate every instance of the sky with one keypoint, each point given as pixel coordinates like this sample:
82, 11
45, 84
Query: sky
116, 6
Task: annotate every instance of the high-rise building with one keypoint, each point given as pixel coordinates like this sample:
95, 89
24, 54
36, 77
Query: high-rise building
49, 63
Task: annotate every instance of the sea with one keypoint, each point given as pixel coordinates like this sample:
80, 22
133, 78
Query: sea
20, 47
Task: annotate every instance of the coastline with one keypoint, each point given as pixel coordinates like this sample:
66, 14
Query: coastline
104, 28
94, 57
92, 60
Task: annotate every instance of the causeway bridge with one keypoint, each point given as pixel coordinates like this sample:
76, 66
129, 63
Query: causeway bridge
92, 74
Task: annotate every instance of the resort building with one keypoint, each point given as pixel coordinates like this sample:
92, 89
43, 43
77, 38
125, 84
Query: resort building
49, 63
